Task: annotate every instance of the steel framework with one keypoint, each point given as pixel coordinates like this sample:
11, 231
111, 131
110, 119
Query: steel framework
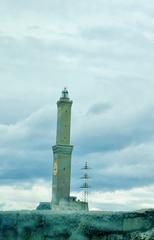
85, 185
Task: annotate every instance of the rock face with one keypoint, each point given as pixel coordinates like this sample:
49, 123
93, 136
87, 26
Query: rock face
46, 225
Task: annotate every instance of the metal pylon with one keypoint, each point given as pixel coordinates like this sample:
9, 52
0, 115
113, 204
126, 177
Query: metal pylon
85, 186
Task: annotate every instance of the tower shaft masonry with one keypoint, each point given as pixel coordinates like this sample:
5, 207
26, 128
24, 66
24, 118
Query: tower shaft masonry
62, 152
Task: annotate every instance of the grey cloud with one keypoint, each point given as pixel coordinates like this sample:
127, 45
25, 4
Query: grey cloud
103, 33
121, 169
26, 148
13, 110
31, 53
26, 153
120, 157
27, 167
99, 108
118, 136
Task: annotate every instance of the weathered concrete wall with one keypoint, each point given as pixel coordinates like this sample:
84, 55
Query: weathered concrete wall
45, 225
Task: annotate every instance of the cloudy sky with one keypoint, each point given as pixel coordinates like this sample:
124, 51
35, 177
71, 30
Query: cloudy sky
103, 51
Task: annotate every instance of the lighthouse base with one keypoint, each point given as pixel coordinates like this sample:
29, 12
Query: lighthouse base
66, 204
71, 204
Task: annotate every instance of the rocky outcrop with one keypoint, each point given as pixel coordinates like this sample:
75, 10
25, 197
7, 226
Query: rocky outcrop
46, 225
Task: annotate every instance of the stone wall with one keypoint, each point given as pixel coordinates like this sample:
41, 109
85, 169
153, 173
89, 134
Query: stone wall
45, 225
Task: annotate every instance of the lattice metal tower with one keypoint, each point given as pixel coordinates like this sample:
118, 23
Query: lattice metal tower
85, 185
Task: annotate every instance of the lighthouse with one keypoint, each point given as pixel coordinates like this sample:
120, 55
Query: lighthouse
61, 171
62, 151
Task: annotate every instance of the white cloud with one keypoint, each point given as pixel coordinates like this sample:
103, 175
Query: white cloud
124, 200
28, 196
24, 196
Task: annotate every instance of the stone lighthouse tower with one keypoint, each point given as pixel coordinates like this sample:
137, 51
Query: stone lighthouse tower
62, 152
